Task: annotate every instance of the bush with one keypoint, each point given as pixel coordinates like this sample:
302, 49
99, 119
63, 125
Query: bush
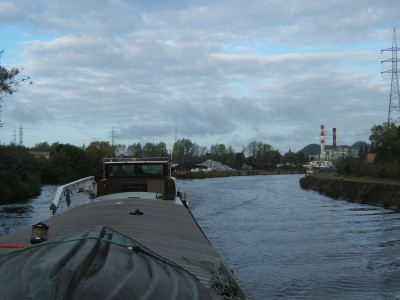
18, 178
353, 167
14, 189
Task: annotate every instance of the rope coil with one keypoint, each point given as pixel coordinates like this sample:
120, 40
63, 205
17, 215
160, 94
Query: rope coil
220, 283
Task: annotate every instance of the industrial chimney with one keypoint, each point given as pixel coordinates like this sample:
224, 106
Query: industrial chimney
322, 142
334, 141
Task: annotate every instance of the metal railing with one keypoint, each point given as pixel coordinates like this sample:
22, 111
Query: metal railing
87, 184
136, 159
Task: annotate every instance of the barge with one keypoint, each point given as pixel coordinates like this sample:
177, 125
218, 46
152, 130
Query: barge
135, 239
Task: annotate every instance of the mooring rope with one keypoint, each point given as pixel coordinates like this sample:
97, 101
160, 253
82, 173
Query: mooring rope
220, 283
130, 247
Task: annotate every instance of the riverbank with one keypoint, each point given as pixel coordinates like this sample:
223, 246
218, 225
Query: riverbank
381, 192
15, 188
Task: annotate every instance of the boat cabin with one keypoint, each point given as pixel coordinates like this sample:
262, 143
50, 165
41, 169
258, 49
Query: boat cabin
137, 175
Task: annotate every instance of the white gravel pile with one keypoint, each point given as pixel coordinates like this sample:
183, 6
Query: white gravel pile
212, 165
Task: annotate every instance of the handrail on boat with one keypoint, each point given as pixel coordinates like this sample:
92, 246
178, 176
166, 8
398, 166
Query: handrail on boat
87, 184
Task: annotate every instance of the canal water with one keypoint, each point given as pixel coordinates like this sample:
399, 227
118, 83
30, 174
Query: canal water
282, 242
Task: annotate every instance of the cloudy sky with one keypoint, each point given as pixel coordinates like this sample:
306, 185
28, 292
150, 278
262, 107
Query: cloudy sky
213, 72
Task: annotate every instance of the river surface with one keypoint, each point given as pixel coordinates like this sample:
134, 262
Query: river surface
281, 242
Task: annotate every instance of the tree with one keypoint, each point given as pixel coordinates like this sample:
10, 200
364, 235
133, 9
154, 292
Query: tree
201, 151
95, 153
386, 141
155, 150
184, 150
135, 150
251, 149
230, 156
262, 153
120, 149
289, 157
293, 158
9, 82
66, 163
223, 154
218, 152
240, 160
43, 146
19, 178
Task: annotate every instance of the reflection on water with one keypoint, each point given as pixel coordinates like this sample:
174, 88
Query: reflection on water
16, 210
16, 216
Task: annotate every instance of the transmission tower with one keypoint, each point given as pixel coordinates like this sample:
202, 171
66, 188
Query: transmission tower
15, 136
112, 137
21, 135
394, 102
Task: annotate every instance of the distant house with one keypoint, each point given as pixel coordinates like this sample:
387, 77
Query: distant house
370, 157
248, 164
40, 154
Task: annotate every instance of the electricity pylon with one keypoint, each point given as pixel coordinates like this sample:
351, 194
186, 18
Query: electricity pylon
394, 102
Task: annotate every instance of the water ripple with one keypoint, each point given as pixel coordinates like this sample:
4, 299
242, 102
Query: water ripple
281, 241
287, 243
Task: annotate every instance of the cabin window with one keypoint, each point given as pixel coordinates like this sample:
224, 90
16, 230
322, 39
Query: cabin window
120, 170
135, 170
153, 169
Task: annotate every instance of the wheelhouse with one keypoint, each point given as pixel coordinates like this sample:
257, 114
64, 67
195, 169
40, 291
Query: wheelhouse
137, 175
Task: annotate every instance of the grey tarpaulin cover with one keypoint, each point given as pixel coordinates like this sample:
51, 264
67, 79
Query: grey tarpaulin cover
102, 264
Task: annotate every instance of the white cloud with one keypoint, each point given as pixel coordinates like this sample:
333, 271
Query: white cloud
217, 71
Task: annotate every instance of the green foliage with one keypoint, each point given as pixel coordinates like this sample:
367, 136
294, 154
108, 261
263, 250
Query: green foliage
262, 153
120, 149
134, 150
19, 179
221, 153
240, 159
66, 163
363, 150
95, 153
21, 173
355, 167
185, 150
351, 166
43, 146
294, 158
9, 81
385, 139
385, 143
155, 150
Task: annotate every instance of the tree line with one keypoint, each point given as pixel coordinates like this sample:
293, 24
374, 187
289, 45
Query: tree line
22, 173
385, 145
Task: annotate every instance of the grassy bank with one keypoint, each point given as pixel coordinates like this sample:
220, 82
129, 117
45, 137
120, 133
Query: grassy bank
382, 192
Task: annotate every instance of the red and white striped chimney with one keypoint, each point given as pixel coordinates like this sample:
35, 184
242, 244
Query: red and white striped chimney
322, 141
